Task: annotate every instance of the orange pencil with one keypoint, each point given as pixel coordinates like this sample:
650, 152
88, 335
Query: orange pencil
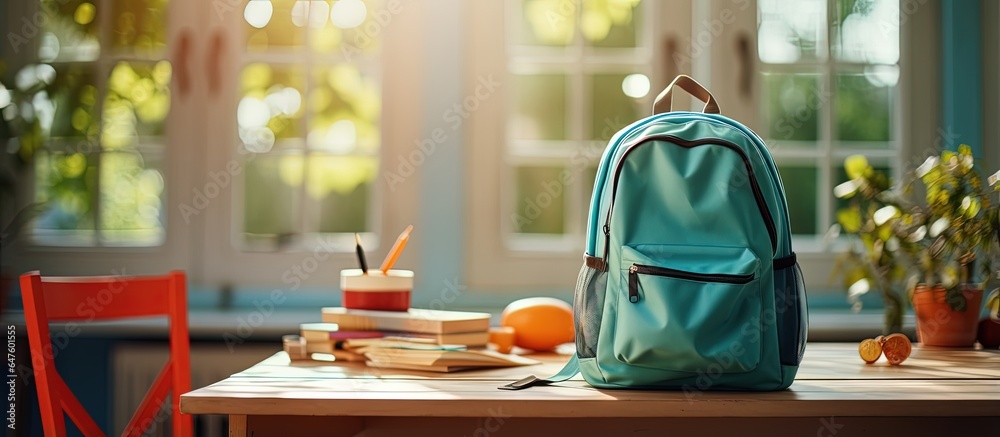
397, 248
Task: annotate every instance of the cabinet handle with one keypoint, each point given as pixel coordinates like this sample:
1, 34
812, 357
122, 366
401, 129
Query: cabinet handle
181, 59
216, 50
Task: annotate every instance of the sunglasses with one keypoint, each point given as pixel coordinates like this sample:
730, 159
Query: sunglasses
896, 348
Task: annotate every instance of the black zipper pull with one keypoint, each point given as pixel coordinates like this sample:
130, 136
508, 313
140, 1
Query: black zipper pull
633, 284
607, 244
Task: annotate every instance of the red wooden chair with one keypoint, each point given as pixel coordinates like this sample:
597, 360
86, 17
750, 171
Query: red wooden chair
63, 299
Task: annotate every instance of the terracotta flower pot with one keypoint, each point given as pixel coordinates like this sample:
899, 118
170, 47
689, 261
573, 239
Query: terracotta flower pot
938, 324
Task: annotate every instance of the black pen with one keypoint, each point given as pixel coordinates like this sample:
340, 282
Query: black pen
361, 254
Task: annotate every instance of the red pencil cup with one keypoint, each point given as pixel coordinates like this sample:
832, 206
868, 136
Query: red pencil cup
376, 291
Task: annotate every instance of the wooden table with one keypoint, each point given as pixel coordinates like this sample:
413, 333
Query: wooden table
935, 392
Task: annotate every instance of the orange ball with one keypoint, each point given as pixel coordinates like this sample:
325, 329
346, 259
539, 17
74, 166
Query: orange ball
540, 323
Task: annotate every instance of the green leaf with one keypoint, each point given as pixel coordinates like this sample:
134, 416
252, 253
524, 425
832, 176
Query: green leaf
884, 232
858, 288
955, 299
964, 149
855, 166
947, 156
850, 220
973, 209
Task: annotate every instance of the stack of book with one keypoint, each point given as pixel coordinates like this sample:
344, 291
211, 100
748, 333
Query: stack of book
418, 339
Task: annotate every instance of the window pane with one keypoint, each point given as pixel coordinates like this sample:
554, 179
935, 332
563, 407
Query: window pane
342, 185
864, 103
800, 183
68, 107
540, 107
540, 206
65, 186
610, 23
270, 198
271, 105
545, 22
866, 31
611, 108
791, 30
345, 107
792, 106
136, 104
271, 24
131, 199
69, 31
139, 26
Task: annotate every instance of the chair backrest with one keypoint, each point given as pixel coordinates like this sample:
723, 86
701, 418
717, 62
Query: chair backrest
85, 299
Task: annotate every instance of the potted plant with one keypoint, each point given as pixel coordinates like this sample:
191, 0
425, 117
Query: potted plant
961, 232
929, 247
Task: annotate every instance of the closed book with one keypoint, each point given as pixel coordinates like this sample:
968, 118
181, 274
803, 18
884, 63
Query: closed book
439, 369
389, 357
324, 335
362, 344
470, 339
421, 321
317, 331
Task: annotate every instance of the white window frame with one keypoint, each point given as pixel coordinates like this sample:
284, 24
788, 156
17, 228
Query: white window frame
492, 264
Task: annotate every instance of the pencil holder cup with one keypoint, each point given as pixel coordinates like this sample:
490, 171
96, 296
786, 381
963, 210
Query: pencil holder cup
375, 290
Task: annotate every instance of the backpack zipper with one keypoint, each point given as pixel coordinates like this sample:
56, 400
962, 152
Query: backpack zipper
754, 186
636, 269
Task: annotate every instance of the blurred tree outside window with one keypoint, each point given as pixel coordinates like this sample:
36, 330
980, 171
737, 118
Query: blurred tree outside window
89, 115
829, 74
309, 113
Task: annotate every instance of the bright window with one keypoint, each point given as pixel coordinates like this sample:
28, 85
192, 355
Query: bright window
829, 78
309, 117
92, 112
579, 72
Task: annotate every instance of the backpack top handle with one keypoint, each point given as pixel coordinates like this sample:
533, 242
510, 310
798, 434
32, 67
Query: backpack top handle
686, 83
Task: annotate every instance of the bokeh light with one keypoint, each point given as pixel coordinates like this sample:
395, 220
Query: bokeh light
258, 13
636, 85
348, 14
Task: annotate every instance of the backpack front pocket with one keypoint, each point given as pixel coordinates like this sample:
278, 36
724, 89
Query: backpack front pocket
689, 308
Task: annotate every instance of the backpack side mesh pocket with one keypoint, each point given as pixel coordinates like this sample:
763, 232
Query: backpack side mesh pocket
588, 304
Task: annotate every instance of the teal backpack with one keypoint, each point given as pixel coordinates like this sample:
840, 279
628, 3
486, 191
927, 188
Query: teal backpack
689, 280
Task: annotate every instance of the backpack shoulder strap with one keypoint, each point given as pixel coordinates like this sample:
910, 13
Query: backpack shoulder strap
568, 371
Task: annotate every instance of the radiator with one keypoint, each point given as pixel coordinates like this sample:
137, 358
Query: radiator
136, 365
